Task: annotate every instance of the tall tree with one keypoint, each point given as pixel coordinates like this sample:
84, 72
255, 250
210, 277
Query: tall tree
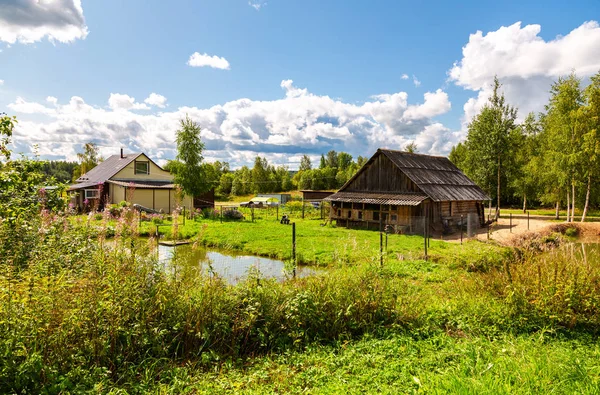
322, 163
489, 141
590, 119
344, 160
188, 167
305, 163
260, 175
564, 135
332, 159
88, 159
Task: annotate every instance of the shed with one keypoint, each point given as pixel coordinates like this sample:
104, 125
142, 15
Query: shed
315, 196
397, 188
283, 198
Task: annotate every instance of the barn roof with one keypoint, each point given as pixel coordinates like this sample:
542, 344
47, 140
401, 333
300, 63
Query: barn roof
108, 168
436, 176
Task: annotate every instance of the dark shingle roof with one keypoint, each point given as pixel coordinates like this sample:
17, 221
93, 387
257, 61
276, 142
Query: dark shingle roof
439, 178
108, 168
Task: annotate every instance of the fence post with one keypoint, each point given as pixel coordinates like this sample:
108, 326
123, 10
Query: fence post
183, 215
462, 225
381, 249
321, 204
302, 208
277, 215
221, 216
294, 247
252, 211
140, 220
510, 226
527, 219
425, 235
488, 231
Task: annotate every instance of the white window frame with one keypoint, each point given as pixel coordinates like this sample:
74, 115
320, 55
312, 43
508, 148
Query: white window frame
135, 168
96, 193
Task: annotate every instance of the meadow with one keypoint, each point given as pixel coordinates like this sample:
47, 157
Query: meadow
86, 309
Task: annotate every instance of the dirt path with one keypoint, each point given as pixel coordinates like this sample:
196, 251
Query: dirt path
503, 233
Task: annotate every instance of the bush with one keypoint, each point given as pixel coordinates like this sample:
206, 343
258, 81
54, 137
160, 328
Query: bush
209, 213
114, 210
233, 214
98, 216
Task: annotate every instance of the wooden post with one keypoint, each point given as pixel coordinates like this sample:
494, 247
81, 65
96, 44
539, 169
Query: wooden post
221, 216
294, 247
425, 234
140, 217
488, 231
462, 226
510, 226
302, 208
277, 216
183, 215
381, 249
380, 218
528, 220
321, 204
252, 211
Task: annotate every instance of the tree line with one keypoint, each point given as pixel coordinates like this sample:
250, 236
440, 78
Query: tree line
552, 158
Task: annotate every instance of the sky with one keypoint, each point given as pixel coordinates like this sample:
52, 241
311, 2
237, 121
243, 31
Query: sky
278, 78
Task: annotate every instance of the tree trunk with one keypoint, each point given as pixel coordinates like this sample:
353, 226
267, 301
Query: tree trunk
556, 216
587, 198
524, 203
568, 206
573, 202
498, 192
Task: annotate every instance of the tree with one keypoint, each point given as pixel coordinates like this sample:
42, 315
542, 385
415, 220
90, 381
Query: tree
360, 161
525, 178
260, 175
332, 159
305, 163
344, 160
590, 118
88, 159
564, 135
187, 167
322, 163
411, 148
489, 144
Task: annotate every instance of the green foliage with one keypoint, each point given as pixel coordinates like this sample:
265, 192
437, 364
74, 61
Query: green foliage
188, 170
88, 159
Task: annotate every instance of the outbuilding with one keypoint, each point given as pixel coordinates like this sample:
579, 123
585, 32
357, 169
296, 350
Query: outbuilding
402, 189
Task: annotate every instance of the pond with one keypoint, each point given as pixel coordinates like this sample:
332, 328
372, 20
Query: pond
230, 266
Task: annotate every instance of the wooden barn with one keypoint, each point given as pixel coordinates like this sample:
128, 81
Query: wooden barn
400, 189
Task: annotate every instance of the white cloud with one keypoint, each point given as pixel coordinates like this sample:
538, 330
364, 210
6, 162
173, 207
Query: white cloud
524, 62
118, 101
156, 100
299, 122
51, 99
205, 60
416, 81
28, 21
404, 76
1, 82
257, 4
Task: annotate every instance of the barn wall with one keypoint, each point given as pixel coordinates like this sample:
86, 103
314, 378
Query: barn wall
382, 175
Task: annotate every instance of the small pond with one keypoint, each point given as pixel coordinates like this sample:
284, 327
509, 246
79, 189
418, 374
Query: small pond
230, 266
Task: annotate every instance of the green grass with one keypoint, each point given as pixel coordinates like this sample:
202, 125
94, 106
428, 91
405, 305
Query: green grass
402, 364
323, 245
550, 212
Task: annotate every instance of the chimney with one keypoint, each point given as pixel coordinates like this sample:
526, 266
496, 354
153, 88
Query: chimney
122, 153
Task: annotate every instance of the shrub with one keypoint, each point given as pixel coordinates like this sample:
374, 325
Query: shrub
114, 210
233, 214
98, 216
209, 213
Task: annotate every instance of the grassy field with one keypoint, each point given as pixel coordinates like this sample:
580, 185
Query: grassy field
80, 315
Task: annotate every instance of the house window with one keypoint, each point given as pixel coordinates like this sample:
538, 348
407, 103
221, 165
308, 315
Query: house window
360, 215
92, 193
375, 215
394, 218
349, 213
142, 167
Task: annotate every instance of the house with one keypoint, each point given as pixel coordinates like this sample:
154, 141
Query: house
400, 189
282, 198
134, 178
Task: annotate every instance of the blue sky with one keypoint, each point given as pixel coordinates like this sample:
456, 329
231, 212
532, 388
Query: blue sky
346, 59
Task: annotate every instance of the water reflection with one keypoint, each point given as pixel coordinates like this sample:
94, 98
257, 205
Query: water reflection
230, 266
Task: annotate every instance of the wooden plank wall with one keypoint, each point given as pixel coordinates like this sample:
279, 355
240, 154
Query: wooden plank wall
382, 176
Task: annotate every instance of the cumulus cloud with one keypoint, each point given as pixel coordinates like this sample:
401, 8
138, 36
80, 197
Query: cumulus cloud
28, 21
404, 76
300, 122
205, 60
1, 82
156, 100
118, 101
524, 62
